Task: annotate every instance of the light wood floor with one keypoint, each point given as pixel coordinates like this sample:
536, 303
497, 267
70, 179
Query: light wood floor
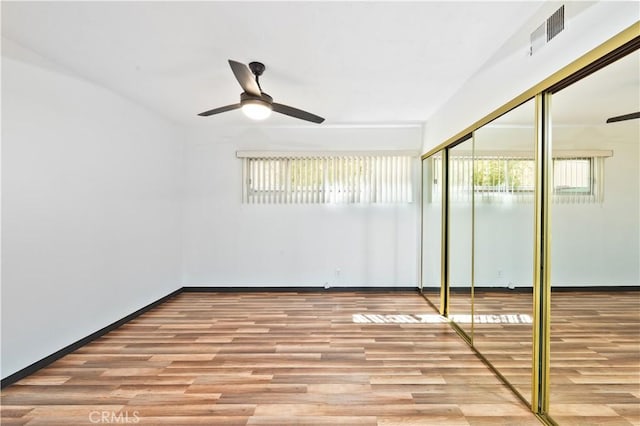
271, 359
507, 345
595, 351
595, 358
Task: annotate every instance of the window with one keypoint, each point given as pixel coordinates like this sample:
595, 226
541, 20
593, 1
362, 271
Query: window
327, 178
498, 178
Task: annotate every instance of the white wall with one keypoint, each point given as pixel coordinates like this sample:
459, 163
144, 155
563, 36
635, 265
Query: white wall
511, 71
90, 208
228, 243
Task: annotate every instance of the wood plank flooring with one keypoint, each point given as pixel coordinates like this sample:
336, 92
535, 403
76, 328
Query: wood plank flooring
506, 343
595, 351
271, 359
595, 358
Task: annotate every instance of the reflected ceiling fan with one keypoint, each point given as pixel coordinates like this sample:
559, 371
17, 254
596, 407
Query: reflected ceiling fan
254, 102
624, 117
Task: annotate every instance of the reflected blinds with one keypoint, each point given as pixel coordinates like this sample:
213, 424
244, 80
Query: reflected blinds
578, 180
324, 179
492, 178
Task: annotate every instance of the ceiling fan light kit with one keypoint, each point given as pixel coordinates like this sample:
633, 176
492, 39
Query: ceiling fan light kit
256, 108
256, 104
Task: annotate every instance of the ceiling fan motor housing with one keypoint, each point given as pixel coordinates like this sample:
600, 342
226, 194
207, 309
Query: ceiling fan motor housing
249, 98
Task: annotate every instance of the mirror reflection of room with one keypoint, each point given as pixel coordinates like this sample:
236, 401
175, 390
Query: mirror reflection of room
595, 315
432, 228
504, 182
460, 231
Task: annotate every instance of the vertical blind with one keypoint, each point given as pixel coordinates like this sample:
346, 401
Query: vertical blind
324, 179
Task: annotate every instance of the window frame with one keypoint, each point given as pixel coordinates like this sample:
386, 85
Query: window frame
372, 177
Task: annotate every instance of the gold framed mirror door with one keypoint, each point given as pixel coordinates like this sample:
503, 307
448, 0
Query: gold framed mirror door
432, 230
570, 152
459, 226
503, 212
594, 353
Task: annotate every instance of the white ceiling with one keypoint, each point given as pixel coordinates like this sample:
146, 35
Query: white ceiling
351, 62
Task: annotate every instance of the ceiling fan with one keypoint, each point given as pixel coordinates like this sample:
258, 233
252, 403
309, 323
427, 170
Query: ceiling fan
623, 117
254, 102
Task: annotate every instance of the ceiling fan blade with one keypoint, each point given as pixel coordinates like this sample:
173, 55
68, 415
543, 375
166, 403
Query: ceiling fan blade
219, 110
245, 77
297, 113
624, 117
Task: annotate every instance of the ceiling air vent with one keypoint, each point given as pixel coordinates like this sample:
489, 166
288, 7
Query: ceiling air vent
547, 30
555, 23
